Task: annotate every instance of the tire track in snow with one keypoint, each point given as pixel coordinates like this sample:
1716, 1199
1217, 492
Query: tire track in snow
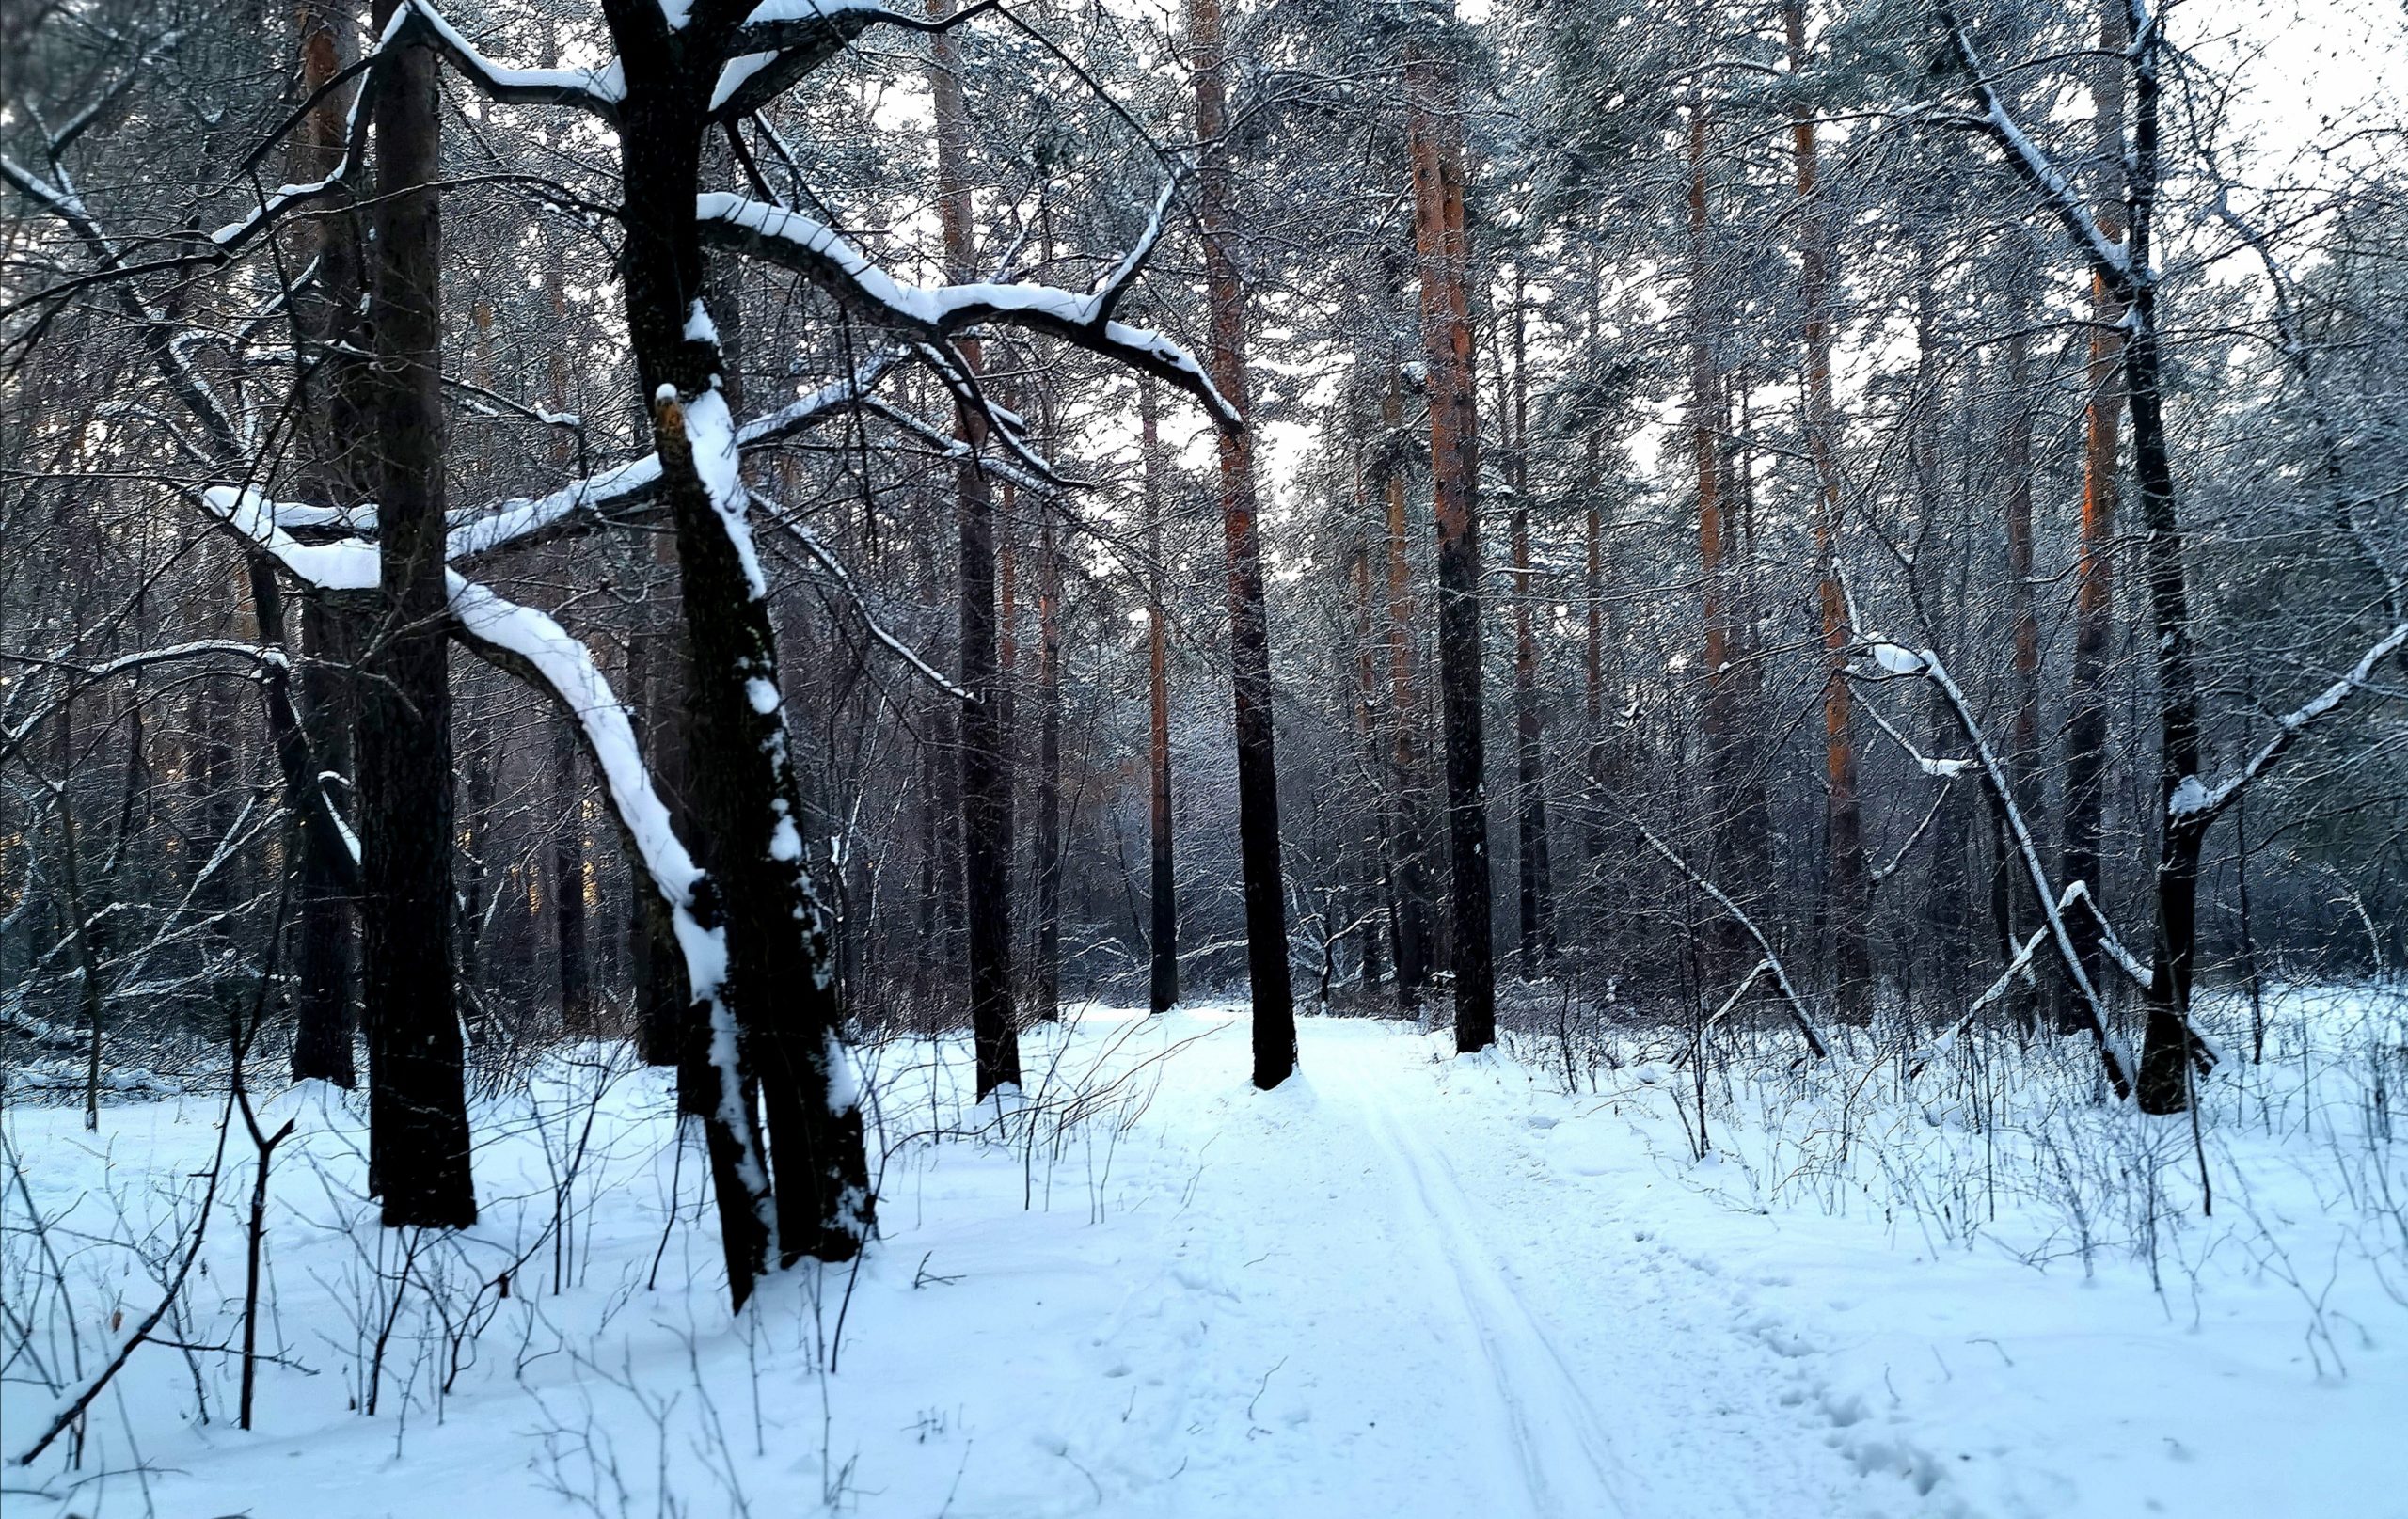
1567, 1462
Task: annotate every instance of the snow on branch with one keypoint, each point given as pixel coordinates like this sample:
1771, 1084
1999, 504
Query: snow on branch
1896, 659
2020, 965
349, 564
2030, 162
1772, 961
598, 91
413, 22
934, 313
2079, 891
2195, 804
551, 659
559, 664
783, 42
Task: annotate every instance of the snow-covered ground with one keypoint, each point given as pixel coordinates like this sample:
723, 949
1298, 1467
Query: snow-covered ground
1403, 1285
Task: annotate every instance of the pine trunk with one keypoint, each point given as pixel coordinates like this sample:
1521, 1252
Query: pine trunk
1408, 847
326, 315
1534, 877
2085, 786
986, 771
1266, 905
1847, 875
1435, 123
1165, 935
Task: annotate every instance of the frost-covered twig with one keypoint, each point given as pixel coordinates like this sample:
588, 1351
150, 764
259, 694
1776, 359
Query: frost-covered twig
2029, 161
825, 559
12, 736
936, 313
2195, 804
1894, 659
1780, 977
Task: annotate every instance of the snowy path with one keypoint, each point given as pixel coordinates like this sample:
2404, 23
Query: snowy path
1561, 1446
1403, 1286
1383, 1302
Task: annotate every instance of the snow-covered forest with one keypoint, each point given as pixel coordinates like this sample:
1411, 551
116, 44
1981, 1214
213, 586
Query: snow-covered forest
1203, 758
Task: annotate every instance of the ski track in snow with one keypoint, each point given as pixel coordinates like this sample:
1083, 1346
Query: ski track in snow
1351, 1324
1564, 1456
1403, 1285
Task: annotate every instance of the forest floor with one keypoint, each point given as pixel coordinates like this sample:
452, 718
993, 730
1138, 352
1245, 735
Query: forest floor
1402, 1285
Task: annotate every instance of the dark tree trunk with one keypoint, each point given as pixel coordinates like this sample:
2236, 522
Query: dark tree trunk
1165, 935
2169, 1051
417, 1102
1847, 875
1534, 877
1408, 845
1718, 719
1266, 905
986, 771
1048, 987
324, 968
568, 888
1367, 698
2016, 906
1433, 115
2085, 786
780, 987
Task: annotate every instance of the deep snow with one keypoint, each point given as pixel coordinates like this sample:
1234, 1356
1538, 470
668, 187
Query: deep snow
1402, 1285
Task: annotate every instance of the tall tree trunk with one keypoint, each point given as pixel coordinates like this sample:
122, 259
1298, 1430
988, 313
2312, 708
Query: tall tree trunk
1049, 766
326, 315
1367, 697
2086, 785
1948, 906
985, 772
1164, 942
2170, 1050
1848, 877
418, 1099
568, 844
1408, 847
1719, 718
2023, 736
1434, 113
1266, 904
568, 887
778, 990
1534, 877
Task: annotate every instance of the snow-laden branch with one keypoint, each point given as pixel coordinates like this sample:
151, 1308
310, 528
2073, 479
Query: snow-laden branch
782, 42
1780, 977
825, 559
596, 90
2020, 966
2079, 892
546, 655
2195, 804
1896, 659
349, 564
2029, 161
933, 313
